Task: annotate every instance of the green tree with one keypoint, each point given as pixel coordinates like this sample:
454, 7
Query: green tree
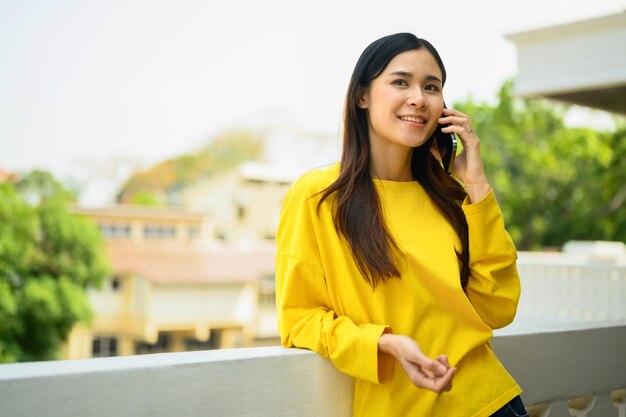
48, 258
161, 184
554, 183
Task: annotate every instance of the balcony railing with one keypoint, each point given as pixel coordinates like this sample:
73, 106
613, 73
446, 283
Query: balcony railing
572, 287
572, 371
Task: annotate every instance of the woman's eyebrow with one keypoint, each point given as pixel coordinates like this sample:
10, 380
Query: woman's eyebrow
410, 75
401, 74
434, 78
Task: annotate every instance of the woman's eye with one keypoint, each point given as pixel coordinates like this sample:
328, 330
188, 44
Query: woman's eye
432, 87
400, 82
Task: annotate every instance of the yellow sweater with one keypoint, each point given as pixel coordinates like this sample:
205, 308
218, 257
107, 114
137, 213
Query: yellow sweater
325, 305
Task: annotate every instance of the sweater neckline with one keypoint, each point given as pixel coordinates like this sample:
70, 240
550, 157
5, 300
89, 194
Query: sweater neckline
394, 184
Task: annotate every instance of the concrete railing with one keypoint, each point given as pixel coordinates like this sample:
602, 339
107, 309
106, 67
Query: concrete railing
572, 287
572, 371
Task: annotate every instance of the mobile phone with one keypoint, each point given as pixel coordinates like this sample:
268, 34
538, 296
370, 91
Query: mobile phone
446, 142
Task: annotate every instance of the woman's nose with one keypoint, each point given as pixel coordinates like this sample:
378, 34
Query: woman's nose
417, 99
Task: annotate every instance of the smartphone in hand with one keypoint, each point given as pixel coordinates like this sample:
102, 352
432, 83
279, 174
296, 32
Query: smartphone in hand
446, 142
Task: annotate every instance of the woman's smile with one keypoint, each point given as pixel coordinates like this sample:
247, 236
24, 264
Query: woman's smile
414, 120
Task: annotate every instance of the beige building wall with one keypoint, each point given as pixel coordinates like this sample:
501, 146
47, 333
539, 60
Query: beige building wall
138, 312
201, 301
244, 203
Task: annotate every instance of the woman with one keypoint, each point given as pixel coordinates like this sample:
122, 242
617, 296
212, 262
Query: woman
389, 267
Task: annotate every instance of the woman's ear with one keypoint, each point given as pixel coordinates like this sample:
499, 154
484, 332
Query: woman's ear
362, 100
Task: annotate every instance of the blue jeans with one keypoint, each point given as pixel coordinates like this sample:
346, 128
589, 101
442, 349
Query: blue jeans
514, 408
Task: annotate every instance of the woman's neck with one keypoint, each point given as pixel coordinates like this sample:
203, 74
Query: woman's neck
391, 163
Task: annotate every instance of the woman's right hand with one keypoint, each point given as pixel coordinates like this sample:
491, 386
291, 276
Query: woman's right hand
433, 374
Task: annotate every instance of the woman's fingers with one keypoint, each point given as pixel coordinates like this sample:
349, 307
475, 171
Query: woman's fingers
458, 122
456, 118
443, 359
432, 374
460, 130
468, 165
430, 367
438, 384
425, 372
408, 350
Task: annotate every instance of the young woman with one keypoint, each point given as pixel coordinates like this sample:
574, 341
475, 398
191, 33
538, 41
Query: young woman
394, 270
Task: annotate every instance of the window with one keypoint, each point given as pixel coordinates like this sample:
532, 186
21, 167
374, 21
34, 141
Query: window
102, 347
116, 283
212, 343
241, 212
114, 230
194, 232
159, 232
267, 291
162, 345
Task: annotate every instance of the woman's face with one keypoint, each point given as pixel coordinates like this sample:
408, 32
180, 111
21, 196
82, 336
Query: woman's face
404, 101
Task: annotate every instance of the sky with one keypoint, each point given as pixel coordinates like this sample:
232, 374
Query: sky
92, 90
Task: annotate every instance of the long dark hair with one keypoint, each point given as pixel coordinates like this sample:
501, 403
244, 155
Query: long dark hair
357, 211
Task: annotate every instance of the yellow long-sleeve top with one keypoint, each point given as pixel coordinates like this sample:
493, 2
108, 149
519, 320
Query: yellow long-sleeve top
325, 305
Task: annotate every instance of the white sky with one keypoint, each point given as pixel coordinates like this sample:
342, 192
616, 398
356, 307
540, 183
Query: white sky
87, 84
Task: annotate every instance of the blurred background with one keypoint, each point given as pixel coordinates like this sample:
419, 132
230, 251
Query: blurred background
146, 146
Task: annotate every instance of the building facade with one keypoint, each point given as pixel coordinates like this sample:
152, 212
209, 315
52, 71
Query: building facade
175, 287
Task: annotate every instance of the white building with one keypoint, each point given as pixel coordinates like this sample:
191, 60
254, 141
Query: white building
580, 63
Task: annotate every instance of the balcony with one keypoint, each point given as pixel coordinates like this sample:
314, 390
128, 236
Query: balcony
567, 349
573, 371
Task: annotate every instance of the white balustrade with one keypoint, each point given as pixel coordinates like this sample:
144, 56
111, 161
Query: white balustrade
555, 368
571, 288
567, 349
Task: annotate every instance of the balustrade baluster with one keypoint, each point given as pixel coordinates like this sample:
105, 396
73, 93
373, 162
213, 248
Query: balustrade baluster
559, 408
603, 407
539, 410
581, 406
618, 398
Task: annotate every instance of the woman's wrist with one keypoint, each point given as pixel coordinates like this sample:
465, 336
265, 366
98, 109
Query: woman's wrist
385, 343
476, 192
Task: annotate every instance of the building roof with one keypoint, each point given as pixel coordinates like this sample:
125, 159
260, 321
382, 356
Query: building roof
279, 174
139, 211
581, 63
193, 267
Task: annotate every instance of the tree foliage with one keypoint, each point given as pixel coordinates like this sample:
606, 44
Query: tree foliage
48, 258
160, 184
554, 183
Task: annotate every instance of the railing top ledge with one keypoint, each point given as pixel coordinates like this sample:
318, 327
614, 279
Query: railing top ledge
114, 364
534, 329
159, 360
547, 365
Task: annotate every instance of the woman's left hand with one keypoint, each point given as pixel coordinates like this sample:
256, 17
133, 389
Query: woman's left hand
468, 165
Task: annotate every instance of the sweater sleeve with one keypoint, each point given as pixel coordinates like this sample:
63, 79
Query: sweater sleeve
494, 284
306, 318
